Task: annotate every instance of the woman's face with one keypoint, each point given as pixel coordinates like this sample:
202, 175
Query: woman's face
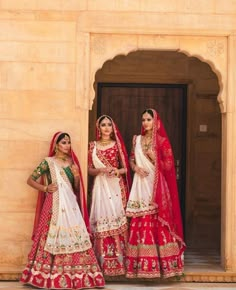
64, 145
106, 127
147, 121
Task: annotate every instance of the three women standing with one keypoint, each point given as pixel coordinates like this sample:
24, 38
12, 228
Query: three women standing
62, 256
108, 162
155, 245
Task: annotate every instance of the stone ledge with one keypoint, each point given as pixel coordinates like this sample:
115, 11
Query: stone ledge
210, 277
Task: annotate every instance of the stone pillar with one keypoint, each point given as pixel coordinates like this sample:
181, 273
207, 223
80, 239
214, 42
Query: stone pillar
228, 236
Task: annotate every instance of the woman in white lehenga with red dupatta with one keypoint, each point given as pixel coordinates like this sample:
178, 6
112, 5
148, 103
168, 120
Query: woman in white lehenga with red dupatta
61, 256
108, 163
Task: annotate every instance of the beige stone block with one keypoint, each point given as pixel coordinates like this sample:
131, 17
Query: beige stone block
39, 131
15, 241
13, 255
225, 7
82, 70
15, 195
60, 52
192, 6
22, 154
44, 4
156, 23
35, 76
37, 31
115, 5
42, 15
14, 4
158, 41
17, 226
45, 15
16, 15
158, 6
36, 105
44, 130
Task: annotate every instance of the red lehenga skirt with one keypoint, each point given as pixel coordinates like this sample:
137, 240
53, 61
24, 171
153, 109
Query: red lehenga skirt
111, 252
63, 271
152, 252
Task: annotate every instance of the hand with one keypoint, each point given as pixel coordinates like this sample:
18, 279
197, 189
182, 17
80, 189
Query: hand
114, 172
140, 171
106, 170
52, 188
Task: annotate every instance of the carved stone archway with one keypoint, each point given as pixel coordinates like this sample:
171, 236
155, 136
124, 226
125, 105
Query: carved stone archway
103, 47
218, 51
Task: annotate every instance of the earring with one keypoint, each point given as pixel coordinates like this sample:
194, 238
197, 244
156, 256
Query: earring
99, 133
56, 150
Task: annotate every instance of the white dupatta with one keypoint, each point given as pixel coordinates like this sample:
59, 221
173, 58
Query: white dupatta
107, 214
67, 232
141, 194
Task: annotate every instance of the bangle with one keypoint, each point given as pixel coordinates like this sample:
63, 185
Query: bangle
45, 188
117, 173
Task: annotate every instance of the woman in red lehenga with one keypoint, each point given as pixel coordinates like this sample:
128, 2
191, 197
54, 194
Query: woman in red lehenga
61, 256
155, 247
108, 162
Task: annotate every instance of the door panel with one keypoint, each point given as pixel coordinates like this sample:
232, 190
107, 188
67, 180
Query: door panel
125, 104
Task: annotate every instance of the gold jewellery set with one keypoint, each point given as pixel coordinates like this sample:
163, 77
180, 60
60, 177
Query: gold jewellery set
147, 142
104, 142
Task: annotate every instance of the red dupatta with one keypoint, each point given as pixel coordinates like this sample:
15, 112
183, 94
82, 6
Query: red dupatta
170, 215
80, 194
121, 147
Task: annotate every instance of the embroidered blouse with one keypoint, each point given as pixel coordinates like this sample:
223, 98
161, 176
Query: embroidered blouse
43, 168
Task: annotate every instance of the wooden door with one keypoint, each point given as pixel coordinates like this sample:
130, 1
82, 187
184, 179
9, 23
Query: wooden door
125, 104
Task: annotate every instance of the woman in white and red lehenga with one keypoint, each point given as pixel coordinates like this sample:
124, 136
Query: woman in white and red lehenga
108, 162
61, 256
155, 247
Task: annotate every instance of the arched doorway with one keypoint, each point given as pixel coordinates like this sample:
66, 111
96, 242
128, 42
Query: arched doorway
200, 131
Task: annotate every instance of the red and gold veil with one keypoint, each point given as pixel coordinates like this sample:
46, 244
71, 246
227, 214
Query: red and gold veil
169, 216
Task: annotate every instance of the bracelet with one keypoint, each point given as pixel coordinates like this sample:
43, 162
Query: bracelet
117, 174
45, 188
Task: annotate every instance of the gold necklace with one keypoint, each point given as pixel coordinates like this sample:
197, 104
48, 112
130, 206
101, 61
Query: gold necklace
147, 145
105, 142
63, 158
